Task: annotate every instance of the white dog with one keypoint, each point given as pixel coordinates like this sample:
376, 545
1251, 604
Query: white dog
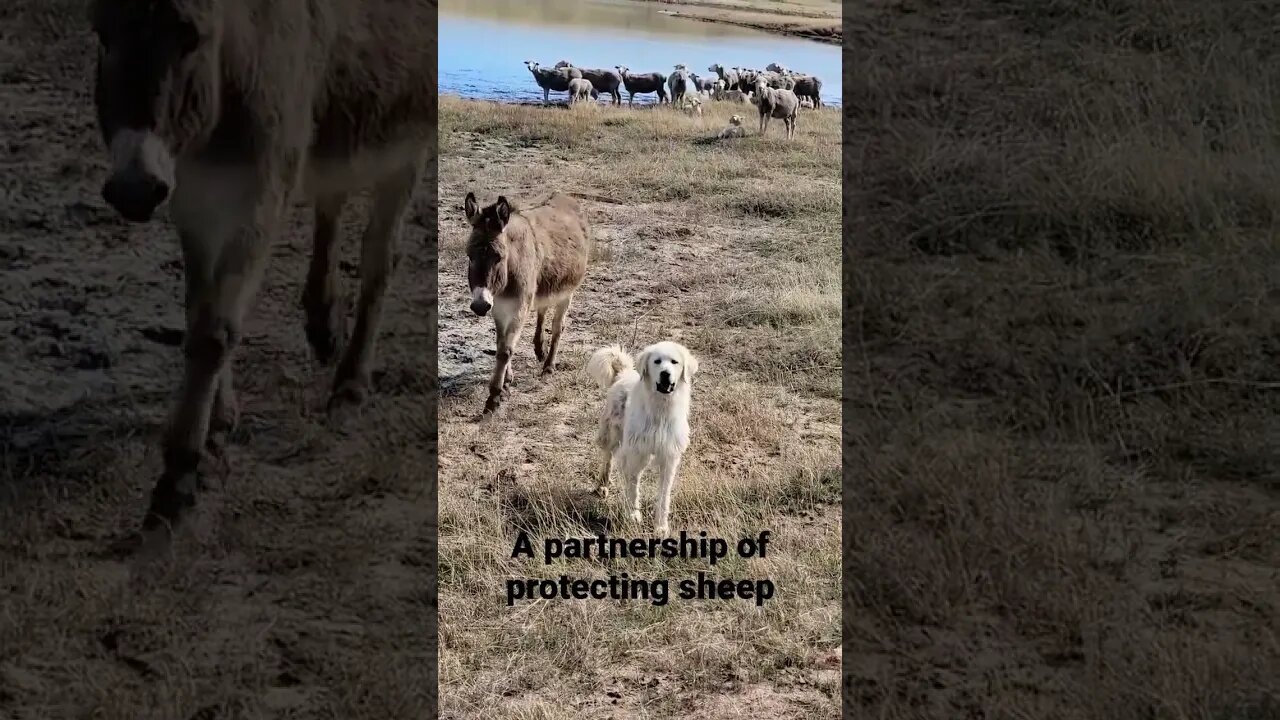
645, 418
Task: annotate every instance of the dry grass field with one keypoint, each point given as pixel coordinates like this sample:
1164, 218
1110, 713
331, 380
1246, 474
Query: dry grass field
729, 247
1062, 310
305, 592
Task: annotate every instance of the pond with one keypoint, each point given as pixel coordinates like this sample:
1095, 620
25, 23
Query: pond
483, 45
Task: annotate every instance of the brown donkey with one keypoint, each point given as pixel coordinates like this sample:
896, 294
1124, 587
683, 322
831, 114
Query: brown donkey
523, 260
232, 110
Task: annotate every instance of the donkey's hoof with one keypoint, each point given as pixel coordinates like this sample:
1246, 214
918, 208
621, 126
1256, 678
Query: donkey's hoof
348, 393
326, 328
548, 370
172, 499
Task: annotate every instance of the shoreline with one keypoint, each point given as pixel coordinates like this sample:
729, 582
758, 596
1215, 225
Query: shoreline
808, 26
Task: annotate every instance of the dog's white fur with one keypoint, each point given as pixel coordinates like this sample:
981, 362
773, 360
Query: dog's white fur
640, 424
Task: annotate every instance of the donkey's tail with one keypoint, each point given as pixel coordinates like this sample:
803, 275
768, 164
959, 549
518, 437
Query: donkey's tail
607, 363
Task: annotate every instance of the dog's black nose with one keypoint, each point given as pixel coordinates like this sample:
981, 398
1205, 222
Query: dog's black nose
480, 307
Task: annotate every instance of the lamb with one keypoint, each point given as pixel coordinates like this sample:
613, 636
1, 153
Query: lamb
641, 83
552, 78
734, 129
581, 90
603, 80
692, 105
778, 103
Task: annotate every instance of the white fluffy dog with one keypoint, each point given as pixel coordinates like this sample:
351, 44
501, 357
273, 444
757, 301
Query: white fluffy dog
645, 418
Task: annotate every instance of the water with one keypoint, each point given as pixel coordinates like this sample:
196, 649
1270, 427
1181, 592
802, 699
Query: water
483, 45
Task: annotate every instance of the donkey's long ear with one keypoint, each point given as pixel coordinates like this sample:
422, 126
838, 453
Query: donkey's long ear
470, 207
503, 209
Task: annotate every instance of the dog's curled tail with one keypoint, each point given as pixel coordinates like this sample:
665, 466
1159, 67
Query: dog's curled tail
607, 363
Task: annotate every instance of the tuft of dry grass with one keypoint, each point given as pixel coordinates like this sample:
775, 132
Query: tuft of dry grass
1061, 391
683, 254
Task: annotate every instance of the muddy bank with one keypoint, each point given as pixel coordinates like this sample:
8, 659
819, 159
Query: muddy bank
820, 28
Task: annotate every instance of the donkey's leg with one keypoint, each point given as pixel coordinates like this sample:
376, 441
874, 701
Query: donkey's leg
537, 336
326, 317
508, 336
377, 253
557, 326
227, 220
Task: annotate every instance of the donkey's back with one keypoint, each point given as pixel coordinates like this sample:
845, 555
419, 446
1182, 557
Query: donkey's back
561, 236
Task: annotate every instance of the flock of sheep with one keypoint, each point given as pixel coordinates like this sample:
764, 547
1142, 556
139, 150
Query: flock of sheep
735, 83
776, 91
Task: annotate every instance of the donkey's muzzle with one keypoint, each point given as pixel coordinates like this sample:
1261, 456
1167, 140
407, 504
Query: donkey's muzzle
135, 195
480, 307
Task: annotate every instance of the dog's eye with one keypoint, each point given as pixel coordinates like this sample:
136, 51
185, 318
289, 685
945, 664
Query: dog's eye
675, 362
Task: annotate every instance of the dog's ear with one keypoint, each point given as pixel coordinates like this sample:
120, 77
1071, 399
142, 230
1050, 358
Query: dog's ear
643, 361
470, 207
690, 365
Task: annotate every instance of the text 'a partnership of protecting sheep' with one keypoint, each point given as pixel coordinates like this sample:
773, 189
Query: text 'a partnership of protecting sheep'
622, 586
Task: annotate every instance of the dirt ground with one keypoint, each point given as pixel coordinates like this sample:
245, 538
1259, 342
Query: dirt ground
729, 247
1062, 457
306, 589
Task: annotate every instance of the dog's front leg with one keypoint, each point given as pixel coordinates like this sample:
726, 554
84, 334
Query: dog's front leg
602, 478
668, 466
633, 464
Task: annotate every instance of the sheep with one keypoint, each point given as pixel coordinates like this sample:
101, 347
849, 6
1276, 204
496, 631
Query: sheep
603, 80
692, 105
775, 67
641, 83
728, 77
704, 85
806, 103
717, 90
808, 86
778, 103
737, 96
678, 83
581, 90
734, 129
552, 78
